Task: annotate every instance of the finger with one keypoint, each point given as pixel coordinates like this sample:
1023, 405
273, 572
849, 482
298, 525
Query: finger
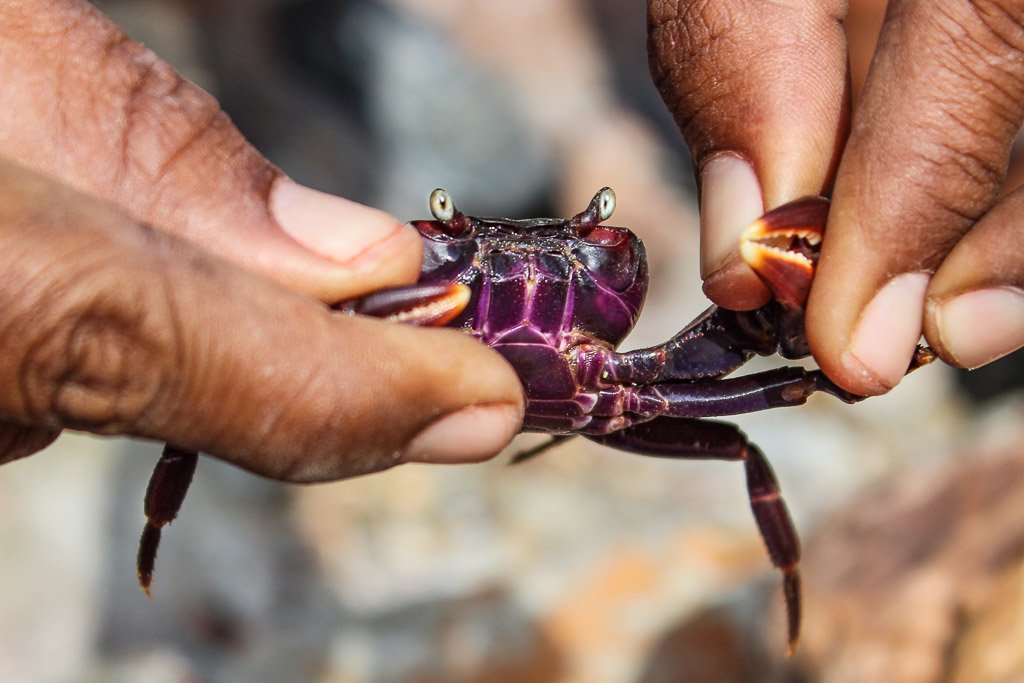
759, 92
113, 328
975, 311
926, 158
18, 441
94, 109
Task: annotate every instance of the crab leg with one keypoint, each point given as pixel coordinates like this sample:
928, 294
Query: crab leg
717, 342
164, 496
703, 439
777, 388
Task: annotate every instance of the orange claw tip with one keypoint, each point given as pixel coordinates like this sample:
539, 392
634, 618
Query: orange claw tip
782, 248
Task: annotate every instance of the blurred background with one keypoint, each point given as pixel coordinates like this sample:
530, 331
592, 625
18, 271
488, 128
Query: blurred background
585, 565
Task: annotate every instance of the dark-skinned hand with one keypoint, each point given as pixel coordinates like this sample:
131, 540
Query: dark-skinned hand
919, 235
160, 278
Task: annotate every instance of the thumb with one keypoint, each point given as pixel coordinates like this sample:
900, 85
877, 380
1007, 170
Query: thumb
86, 105
759, 90
118, 329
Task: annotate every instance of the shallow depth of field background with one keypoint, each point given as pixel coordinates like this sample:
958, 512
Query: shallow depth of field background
586, 564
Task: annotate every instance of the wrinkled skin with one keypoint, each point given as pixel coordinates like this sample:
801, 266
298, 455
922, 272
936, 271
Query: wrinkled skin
555, 297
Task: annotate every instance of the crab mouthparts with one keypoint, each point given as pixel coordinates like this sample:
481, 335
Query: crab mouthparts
782, 248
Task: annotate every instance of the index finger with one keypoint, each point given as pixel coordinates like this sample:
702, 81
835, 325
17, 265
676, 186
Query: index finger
927, 157
759, 90
88, 106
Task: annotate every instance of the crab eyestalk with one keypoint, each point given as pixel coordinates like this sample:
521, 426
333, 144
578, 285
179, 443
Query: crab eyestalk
782, 248
454, 222
601, 208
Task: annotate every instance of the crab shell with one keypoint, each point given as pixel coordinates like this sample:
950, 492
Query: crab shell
540, 286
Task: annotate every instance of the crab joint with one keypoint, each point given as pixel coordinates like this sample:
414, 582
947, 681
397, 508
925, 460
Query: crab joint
782, 248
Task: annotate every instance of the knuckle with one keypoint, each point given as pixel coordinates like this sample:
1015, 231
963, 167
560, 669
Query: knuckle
165, 119
97, 356
947, 189
977, 46
1003, 20
680, 37
712, 61
965, 176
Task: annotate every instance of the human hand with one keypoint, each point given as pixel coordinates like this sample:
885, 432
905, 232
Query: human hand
918, 237
202, 330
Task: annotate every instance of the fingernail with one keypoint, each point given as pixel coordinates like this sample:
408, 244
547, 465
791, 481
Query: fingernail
888, 331
469, 435
335, 228
980, 326
730, 200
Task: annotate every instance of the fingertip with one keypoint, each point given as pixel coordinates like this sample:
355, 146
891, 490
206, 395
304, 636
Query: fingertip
477, 396
977, 327
736, 287
336, 228
874, 355
730, 200
331, 247
468, 435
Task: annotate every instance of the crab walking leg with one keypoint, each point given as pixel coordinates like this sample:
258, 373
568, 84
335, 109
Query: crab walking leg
717, 342
164, 496
617, 407
628, 405
777, 388
702, 439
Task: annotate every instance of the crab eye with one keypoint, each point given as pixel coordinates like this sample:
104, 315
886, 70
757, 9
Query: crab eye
441, 205
606, 203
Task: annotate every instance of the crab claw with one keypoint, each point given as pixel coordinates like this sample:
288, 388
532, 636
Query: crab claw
782, 248
433, 305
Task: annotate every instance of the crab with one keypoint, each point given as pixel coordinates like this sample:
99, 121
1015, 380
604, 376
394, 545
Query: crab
555, 297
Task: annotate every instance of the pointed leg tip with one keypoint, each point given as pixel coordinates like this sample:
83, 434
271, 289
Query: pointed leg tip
530, 453
146, 558
527, 455
791, 591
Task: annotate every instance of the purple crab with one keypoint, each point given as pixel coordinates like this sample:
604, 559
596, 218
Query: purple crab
555, 297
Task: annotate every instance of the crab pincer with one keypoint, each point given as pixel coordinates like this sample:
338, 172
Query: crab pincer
430, 305
782, 248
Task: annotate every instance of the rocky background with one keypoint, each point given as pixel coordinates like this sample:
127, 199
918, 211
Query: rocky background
585, 565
